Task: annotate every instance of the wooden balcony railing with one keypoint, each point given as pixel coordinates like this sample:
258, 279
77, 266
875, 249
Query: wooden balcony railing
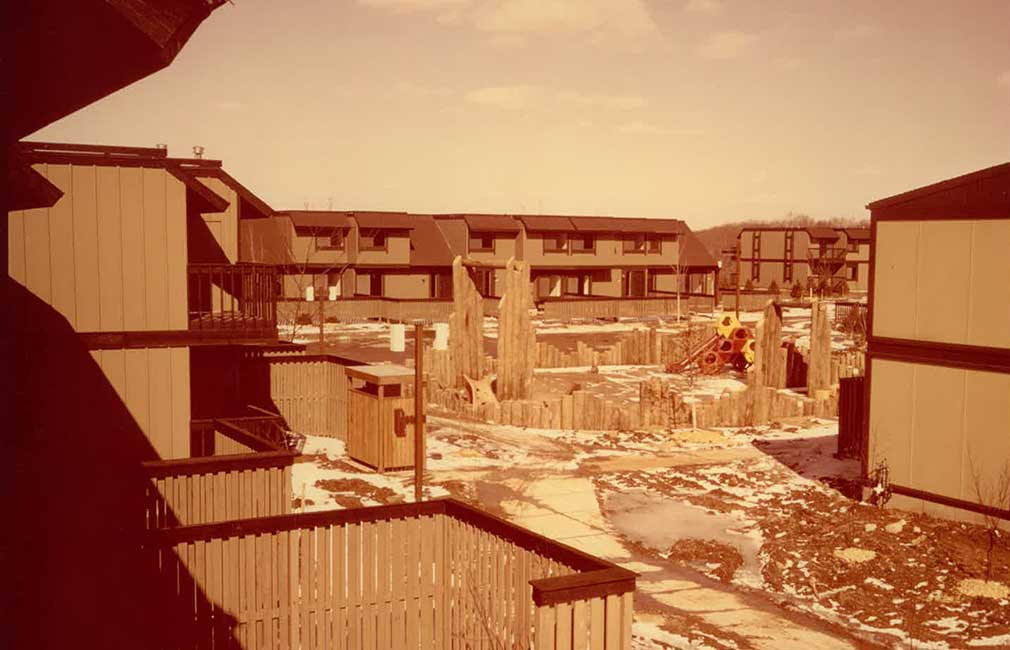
233, 298
438, 574
829, 254
238, 435
217, 488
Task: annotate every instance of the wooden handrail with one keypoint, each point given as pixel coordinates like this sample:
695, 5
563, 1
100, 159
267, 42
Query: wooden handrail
213, 464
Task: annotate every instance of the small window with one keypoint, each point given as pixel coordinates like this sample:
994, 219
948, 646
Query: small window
853, 246
584, 244
854, 272
334, 241
634, 244
373, 240
482, 242
655, 244
555, 243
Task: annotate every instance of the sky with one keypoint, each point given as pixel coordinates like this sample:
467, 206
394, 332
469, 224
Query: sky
710, 111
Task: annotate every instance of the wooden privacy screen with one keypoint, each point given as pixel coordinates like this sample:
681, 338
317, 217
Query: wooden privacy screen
309, 391
596, 307
434, 575
217, 488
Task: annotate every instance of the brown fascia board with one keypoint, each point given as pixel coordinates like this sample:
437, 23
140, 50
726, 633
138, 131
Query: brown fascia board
108, 156
940, 186
546, 223
205, 199
491, 222
243, 192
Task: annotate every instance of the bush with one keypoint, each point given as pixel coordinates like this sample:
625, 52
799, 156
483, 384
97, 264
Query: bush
797, 291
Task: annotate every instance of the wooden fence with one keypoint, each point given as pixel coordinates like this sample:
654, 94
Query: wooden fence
309, 391
216, 488
434, 575
600, 307
851, 398
362, 308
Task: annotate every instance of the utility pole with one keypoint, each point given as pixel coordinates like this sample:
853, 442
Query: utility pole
418, 411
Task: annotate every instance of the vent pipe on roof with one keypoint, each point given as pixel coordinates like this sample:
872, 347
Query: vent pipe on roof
197, 151
161, 146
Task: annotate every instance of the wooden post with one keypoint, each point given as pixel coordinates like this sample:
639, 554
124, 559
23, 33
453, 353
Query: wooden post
738, 267
418, 411
322, 322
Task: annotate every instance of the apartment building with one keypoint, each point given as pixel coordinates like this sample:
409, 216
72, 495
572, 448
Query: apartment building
938, 358
409, 256
139, 257
834, 258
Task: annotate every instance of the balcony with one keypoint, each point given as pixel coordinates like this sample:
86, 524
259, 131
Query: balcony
438, 574
233, 301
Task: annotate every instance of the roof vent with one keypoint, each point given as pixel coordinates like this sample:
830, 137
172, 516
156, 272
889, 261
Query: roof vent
197, 151
161, 146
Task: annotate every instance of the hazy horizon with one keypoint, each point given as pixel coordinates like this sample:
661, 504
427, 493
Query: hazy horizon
701, 110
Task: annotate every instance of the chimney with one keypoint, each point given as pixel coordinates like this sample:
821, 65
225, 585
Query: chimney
197, 151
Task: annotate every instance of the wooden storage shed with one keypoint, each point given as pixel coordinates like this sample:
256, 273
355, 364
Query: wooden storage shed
938, 359
378, 406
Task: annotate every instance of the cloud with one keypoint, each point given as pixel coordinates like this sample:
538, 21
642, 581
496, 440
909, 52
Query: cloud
509, 98
707, 7
612, 102
1003, 80
638, 127
726, 45
857, 32
628, 18
414, 5
523, 97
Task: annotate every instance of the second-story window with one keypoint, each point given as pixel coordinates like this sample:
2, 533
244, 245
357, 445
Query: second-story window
336, 240
482, 242
584, 244
634, 244
372, 240
852, 246
655, 244
555, 242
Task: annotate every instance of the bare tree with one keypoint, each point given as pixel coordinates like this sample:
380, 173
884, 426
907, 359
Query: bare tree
993, 495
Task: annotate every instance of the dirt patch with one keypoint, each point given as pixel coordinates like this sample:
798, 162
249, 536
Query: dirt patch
359, 489
714, 559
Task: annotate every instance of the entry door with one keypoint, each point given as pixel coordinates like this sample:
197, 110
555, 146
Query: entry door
635, 283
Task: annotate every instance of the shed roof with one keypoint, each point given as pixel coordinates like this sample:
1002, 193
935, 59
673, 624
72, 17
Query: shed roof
693, 252
857, 234
319, 219
244, 193
822, 233
428, 246
491, 222
546, 223
388, 220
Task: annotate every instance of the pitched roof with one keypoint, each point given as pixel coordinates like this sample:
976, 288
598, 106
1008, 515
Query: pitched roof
694, 254
428, 246
244, 193
822, 233
978, 176
857, 234
388, 220
202, 197
319, 219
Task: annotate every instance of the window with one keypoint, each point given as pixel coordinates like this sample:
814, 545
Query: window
787, 272
372, 240
483, 280
634, 244
440, 286
555, 242
481, 242
854, 272
853, 246
655, 244
334, 241
755, 270
584, 244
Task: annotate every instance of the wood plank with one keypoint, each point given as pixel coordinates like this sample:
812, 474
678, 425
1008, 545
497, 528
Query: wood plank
180, 400
597, 623
175, 244
398, 585
155, 248
133, 264
354, 586
137, 393
563, 638
613, 623
52, 272
85, 260
543, 632
580, 626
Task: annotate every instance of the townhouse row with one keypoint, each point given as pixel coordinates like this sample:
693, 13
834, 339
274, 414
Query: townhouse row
332, 255
829, 259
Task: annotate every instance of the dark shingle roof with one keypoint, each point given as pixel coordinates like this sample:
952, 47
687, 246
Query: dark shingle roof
428, 246
693, 253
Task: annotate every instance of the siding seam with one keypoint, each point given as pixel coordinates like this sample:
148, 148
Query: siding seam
98, 239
